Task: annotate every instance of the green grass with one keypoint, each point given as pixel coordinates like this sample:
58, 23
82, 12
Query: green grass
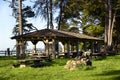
104, 69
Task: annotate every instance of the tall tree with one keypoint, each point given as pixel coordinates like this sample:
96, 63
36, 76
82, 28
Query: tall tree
60, 4
45, 9
105, 12
27, 27
110, 18
20, 13
51, 14
23, 12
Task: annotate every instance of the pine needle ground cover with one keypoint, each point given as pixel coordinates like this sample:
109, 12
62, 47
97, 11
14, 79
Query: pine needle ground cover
104, 69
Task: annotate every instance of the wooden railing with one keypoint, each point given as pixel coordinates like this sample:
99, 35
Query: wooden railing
6, 53
10, 53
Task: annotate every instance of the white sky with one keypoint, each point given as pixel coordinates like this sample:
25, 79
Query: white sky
7, 22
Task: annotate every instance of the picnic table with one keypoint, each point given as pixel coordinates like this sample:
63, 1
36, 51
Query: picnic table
34, 59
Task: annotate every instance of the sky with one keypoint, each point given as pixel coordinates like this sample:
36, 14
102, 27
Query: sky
7, 22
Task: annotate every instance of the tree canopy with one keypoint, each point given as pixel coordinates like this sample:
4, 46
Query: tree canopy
95, 17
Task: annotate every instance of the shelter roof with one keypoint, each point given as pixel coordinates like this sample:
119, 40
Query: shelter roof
57, 34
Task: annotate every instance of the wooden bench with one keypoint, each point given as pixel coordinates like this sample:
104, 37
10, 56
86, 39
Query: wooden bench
40, 57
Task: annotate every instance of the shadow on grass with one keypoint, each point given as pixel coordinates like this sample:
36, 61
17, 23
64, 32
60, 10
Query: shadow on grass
98, 58
114, 73
116, 78
86, 68
40, 64
59, 62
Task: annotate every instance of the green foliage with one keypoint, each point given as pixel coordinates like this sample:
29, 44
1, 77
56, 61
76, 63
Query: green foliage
74, 29
26, 13
94, 30
106, 69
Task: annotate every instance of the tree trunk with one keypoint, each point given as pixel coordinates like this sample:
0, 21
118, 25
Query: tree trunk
20, 17
109, 24
51, 15
21, 42
47, 14
60, 15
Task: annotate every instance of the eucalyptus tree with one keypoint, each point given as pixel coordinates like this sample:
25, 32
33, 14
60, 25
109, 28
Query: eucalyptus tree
27, 27
68, 13
60, 5
116, 29
62, 8
26, 13
112, 11
45, 9
21, 13
105, 13
73, 13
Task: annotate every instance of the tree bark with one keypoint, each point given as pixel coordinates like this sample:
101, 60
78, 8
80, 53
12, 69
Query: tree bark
20, 17
51, 15
21, 42
60, 15
47, 14
109, 24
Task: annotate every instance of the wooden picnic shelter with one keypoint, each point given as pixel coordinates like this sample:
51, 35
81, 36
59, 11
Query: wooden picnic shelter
50, 37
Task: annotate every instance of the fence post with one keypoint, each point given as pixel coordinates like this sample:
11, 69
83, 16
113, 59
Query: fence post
8, 51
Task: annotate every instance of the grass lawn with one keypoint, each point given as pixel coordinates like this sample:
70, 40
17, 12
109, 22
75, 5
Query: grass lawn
105, 69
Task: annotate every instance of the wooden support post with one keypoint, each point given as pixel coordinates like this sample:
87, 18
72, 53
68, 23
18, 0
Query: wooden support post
34, 47
22, 49
85, 46
46, 47
92, 46
68, 48
64, 46
99, 47
72, 47
8, 51
77, 47
53, 52
56, 43
17, 49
